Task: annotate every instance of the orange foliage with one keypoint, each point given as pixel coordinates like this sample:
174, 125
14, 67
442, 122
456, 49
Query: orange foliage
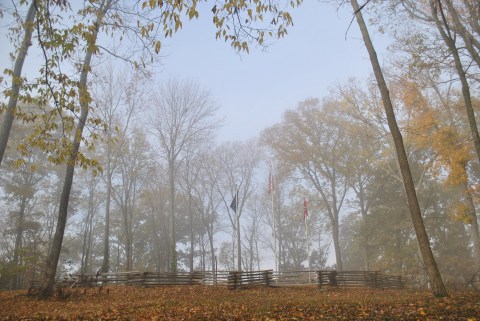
219, 303
428, 130
453, 152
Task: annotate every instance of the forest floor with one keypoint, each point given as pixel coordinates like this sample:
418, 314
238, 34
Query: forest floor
219, 303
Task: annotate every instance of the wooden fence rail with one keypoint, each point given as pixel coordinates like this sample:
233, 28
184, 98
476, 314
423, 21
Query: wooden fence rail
235, 279
371, 279
241, 279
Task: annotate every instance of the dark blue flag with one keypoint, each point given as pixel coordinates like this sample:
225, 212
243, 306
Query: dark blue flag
233, 205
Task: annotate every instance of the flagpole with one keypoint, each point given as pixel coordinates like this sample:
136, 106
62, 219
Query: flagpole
274, 237
308, 251
239, 248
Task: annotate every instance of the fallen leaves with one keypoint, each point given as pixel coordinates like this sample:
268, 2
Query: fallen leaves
219, 303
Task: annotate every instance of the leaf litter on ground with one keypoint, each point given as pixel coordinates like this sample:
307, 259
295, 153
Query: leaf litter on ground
260, 303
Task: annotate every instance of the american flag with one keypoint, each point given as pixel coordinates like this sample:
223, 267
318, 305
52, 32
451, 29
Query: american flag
270, 183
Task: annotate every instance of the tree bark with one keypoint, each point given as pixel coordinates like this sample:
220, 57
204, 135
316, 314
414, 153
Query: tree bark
17, 73
237, 223
128, 250
364, 224
473, 226
336, 244
18, 242
87, 236
212, 248
84, 98
171, 221
106, 237
192, 243
239, 245
438, 287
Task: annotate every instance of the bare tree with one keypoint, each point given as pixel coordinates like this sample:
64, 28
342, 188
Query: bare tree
191, 171
118, 97
93, 199
207, 202
233, 175
253, 233
183, 118
134, 162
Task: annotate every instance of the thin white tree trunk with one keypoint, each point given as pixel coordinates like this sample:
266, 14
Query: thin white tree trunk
17, 73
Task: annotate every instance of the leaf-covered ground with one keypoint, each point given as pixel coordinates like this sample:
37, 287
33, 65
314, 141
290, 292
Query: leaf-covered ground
218, 303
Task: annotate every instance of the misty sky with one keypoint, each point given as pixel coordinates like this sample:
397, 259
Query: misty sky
253, 90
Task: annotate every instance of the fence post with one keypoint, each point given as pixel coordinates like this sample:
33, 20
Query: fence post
234, 277
332, 278
320, 277
268, 276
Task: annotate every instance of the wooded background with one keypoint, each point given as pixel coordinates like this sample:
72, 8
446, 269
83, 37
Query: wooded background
152, 186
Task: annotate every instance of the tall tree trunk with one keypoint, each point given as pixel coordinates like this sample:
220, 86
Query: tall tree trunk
250, 250
17, 73
173, 245
128, 248
127, 226
473, 226
84, 250
336, 244
84, 98
364, 225
209, 229
255, 252
438, 287
192, 243
87, 267
203, 252
54, 254
87, 236
239, 245
156, 241
106, 237
365, 246
18, 242
281, 254
212, 248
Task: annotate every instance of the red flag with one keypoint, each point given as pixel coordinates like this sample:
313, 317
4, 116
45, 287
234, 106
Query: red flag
305, 211
270, 183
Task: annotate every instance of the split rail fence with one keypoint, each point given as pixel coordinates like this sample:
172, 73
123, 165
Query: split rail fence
235, 279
